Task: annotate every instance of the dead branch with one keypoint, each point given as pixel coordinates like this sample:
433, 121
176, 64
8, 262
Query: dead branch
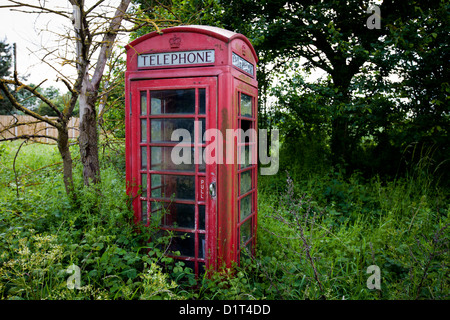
18, 124
14, 168
94, 6
25, 110
67, 84
40, 8
28, 137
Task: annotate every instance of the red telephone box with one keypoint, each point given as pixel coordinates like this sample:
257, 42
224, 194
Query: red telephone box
202, 80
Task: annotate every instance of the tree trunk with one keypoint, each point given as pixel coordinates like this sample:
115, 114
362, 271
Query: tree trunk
339, 141
63, 146
88, 138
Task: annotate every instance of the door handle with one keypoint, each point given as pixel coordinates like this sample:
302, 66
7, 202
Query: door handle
212, 189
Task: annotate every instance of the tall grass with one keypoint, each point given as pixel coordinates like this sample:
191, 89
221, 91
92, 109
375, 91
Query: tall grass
317, 235
398, 226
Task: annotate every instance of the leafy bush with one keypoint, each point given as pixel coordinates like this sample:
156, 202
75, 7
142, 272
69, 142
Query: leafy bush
43, 233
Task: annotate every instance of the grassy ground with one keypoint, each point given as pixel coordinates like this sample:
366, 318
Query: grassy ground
318, 235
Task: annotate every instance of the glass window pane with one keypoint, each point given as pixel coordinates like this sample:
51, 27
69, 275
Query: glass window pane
179, 215
162, 129
246, 251
202, 128
173, 101
156, 186
172, 158
168, 186
144, 184
201, 160
144, 212
143, 102
201, 217
246, 206
247, 136
183, 242
144, 158
143, 130
246, 182
156, 158
202, 101
246, 105
201, 245
155, 105
246, 231
157, 212
246, 156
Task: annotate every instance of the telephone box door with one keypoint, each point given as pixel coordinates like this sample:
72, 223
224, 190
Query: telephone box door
177, 185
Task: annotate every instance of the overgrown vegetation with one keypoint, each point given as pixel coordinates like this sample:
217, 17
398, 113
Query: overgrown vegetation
363, 180
315, 243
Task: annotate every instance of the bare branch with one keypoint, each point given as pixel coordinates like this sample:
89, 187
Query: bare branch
34, 88
50, 64
18, 124
11, 6
40, 8
27, 111
14, 168
67, 84
94, 6
29, 136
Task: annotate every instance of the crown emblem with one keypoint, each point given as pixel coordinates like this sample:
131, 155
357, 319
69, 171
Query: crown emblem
175, 42
244, 50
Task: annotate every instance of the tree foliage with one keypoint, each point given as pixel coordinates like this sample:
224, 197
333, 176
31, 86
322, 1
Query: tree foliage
384, 90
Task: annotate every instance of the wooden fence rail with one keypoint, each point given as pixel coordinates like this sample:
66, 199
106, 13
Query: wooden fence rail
17, 125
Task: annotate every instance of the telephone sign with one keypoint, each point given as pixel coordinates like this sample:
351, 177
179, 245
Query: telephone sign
242, 64
176, 58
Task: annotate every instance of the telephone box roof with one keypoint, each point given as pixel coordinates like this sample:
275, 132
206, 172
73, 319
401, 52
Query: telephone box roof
219, 33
